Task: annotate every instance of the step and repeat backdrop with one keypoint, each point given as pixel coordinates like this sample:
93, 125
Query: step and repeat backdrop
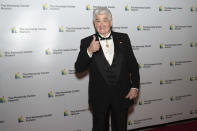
39, 44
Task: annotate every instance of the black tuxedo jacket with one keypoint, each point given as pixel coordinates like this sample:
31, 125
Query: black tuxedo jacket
125, 71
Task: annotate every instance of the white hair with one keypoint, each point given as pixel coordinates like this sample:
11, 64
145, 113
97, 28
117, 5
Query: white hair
102, 11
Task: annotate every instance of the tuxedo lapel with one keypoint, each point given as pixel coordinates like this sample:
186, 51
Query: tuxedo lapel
117, 55
101, 63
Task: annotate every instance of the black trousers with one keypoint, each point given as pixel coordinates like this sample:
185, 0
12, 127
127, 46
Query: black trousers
105, 109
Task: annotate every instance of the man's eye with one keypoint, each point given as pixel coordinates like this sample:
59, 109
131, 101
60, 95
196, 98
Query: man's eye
106, 20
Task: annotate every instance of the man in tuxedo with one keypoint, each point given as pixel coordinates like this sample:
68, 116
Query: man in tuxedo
113, 73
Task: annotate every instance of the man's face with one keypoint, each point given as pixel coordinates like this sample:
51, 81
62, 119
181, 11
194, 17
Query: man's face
103, 24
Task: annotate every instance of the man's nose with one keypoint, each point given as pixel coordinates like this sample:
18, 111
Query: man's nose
102, 23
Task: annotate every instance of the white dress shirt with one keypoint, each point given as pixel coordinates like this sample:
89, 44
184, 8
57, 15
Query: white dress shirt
108, 51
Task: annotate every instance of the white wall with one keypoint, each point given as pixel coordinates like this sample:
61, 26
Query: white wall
39, 43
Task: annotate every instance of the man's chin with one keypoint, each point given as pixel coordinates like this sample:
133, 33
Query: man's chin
103, 33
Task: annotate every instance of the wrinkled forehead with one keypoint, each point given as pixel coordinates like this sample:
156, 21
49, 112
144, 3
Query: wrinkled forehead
102, 17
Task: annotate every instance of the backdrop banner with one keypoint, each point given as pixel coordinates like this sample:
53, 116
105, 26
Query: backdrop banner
39, 44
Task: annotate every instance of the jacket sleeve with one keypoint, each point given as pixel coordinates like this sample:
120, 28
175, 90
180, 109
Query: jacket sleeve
83, 59
133, 66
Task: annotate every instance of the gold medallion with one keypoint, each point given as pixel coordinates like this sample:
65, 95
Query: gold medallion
107, 45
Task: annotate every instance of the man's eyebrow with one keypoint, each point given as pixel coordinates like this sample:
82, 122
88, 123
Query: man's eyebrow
106, 18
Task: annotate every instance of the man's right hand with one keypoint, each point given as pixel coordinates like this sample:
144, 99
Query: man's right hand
94, 46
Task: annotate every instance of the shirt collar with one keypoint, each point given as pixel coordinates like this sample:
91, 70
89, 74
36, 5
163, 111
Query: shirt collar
106, 36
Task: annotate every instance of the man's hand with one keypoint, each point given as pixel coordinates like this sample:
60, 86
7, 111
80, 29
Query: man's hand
94, 46
133, 93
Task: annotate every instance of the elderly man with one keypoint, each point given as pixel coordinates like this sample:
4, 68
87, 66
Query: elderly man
113, 72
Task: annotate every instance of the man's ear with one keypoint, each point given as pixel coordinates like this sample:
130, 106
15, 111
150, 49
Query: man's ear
111, 23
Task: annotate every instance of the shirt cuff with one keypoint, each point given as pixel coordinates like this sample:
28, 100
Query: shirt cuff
136, 89
90, 55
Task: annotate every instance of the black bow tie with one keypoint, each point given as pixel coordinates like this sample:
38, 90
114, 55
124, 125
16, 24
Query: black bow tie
107, 38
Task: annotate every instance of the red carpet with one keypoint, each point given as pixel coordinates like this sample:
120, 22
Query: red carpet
183, 126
